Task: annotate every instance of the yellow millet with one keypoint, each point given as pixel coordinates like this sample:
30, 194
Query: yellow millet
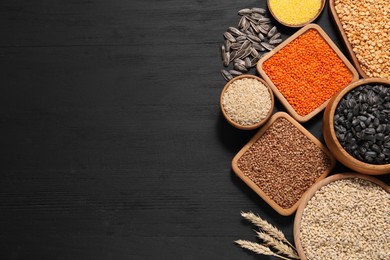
295, 12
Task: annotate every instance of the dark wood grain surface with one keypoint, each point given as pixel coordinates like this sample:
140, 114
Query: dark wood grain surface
112, 144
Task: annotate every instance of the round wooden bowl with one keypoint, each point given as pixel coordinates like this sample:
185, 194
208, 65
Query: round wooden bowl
296, 25
310, 193
330, 136
261, 122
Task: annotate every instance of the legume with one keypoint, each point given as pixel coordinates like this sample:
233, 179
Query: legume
362, 123
367, 24
283, 162
295, 12
347, 219
307, 72
246, 101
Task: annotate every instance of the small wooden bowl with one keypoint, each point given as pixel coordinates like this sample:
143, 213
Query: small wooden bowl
257, 189
345, 40
278, 94
295, 25
330, 135
310, 193
261, 122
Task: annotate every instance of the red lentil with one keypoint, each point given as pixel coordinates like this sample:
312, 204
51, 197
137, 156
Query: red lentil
307, 72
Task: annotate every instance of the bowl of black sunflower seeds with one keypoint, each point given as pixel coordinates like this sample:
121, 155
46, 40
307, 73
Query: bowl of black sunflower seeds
356, 126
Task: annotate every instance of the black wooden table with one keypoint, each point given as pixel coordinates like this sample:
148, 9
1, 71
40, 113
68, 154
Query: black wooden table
112, 142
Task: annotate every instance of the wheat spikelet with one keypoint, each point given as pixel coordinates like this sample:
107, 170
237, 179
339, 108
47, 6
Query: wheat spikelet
265, 226
281, 247
257, 248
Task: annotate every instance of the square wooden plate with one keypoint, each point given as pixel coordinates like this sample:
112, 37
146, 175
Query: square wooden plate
279, 95
253, 185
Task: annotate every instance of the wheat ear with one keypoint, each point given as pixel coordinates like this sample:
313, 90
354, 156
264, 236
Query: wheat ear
278, 245
258, 249
265, 226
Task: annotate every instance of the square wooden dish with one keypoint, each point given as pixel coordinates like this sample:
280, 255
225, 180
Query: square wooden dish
279, 95
290, 183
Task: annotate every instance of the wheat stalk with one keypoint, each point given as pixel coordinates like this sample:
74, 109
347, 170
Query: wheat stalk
265, 226
257, 248
281, 247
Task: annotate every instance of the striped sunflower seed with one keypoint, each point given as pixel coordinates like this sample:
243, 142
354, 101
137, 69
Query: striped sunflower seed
226, 75
236, 45
275, 41
247, 62
272, 32
235, 73
234, 31
267, 46
255, 27
265, 27
258, 10
233, 55
243, 24
226, 59
255, 60
254, 52
229, 37
241, 38
276, 36
240, 68
261, 36
257, 16
264, 20
253, 38
245, 11
227, 44
258, 47
223, 50
239, 61
246, 44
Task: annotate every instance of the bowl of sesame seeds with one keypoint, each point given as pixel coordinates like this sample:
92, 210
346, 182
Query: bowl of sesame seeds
356, 126
295, 13
246, 102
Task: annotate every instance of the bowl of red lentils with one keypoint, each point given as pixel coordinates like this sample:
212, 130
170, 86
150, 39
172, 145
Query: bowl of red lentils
246, 102
281, 162
295, 13
305, 71
356, 126
344, 216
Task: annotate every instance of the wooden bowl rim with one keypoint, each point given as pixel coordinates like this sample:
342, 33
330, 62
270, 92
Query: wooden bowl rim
310, 193
296, 25
257, 189
379, 168
261, 122
345, 40
279, 95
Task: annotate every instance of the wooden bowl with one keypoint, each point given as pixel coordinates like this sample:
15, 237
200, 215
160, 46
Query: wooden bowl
295, 25
345, 40
261, 122
310, 193
278, 94
330, 136
257, 189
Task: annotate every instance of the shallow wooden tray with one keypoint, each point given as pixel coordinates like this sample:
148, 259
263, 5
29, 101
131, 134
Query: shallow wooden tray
279, 95
261, 122
257, 189
310, 193
344, 37
296, 25
330, 135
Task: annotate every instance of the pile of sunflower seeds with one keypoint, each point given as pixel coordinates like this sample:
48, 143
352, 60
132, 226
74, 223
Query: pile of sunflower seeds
246, 44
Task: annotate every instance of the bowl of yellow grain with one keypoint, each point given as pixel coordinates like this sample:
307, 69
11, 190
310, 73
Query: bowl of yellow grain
247, 102
295, 13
